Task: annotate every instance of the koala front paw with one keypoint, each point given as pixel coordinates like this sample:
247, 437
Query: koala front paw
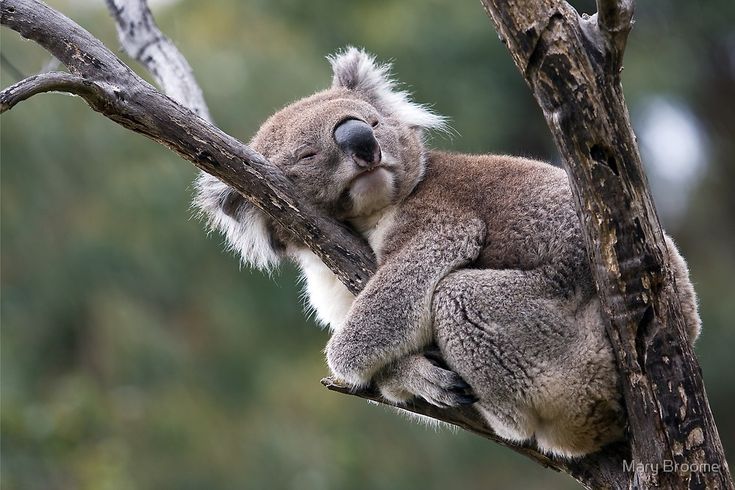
416, 375
348, 363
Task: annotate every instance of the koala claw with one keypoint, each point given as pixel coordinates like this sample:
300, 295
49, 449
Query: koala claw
445, 389
417, 375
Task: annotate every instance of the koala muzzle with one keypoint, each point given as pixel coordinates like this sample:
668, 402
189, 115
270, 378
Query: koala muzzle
356, 139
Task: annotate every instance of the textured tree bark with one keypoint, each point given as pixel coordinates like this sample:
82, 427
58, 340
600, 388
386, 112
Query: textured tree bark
111, 88
573, 65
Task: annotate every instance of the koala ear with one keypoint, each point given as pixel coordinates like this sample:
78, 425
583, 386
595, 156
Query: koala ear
355, 69
245, 227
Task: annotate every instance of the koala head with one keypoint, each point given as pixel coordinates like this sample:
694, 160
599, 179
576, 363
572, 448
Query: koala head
350, 150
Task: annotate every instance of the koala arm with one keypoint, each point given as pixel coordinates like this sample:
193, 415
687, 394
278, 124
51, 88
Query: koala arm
391, 316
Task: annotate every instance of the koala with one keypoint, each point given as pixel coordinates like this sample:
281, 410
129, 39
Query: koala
483, 294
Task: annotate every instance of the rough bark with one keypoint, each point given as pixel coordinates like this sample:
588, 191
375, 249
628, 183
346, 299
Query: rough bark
572, 64
111, 88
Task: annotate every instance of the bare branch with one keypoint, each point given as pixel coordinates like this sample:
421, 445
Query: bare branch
143, 40
47, 82
615, 19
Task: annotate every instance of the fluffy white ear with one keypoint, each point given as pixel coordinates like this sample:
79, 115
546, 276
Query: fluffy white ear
357, 70
244, 226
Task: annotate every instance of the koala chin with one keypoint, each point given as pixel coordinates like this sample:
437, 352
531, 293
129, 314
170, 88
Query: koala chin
483, 293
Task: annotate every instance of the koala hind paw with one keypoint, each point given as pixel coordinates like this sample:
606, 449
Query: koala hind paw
415, 375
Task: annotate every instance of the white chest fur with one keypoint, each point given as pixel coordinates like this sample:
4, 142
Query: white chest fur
326, 295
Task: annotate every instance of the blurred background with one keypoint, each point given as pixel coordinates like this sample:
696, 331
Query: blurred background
135, 353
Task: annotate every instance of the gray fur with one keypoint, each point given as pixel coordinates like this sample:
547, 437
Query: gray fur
479, 254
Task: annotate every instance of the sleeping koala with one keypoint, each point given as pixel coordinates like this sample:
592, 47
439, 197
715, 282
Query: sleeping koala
480, 255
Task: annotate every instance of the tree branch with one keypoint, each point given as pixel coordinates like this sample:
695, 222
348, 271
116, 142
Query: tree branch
47, 82
575, 80
133, 103
599, 470
143, 41
614, 20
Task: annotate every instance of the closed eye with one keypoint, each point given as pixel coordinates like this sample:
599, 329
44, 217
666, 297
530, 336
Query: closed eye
306, 155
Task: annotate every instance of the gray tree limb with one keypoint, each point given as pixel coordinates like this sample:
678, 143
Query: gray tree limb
55, 81
600, 470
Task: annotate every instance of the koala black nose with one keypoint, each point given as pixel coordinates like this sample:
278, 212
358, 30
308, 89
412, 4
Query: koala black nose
356, 138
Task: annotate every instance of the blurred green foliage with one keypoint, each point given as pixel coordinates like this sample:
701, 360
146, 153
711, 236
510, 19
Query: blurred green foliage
137, 354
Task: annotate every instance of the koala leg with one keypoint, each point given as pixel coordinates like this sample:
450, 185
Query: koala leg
541, 366
424, 376
391, 317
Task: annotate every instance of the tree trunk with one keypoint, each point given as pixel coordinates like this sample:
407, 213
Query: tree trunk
572, 64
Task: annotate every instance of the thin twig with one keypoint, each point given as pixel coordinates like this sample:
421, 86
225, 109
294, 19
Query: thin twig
55, 81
